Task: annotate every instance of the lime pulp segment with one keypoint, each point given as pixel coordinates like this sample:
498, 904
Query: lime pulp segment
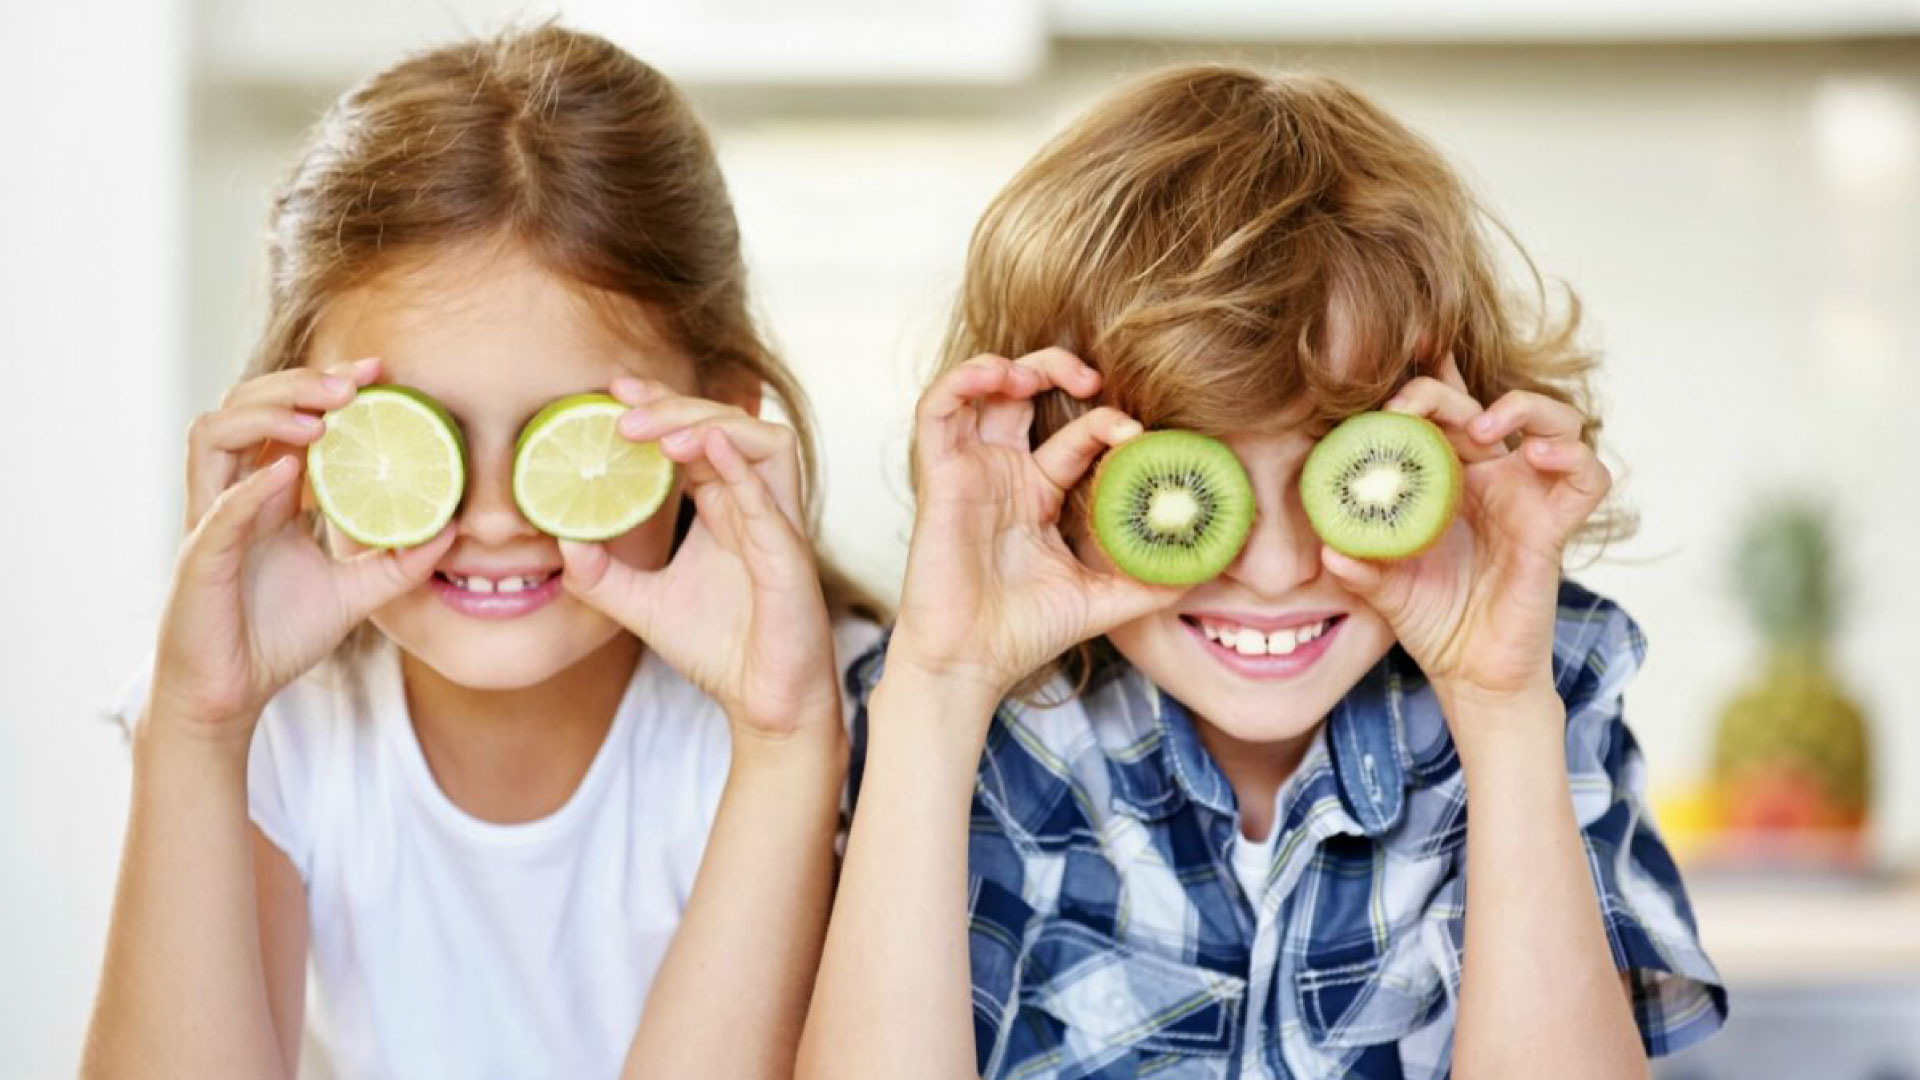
390, 468
576, 477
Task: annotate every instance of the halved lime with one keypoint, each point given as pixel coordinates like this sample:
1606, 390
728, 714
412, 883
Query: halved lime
576, 477
391, 467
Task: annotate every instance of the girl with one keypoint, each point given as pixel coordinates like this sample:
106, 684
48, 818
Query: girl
550, 792
1230, 838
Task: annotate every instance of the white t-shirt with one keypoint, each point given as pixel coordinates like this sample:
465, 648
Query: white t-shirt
443, 945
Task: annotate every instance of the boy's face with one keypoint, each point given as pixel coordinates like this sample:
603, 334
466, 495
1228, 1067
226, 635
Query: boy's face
1315, 640
494, 337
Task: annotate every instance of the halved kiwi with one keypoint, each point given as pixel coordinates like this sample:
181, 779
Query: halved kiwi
1381, 486
1171, 507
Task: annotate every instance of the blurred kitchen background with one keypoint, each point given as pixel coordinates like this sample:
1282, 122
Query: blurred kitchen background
1732, 187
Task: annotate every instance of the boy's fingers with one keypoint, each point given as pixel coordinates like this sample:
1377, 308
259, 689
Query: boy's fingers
1530, 414
1584, 481
1452, 408
1063, 370
1006, 422
1116, 599
1066, 457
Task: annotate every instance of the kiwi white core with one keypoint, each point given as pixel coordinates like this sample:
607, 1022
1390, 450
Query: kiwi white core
1173, 510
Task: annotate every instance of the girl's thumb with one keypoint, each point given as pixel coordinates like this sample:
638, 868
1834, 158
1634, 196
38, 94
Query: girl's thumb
377, 577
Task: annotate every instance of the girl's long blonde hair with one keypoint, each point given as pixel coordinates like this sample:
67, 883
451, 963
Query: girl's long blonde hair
1237, 250
551, 139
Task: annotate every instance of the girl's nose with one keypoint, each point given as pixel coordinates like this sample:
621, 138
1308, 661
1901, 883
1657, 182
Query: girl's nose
488, 514
1282, 551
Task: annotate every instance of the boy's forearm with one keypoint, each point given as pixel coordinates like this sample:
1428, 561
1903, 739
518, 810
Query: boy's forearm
183, 991
1539, 992
731, 995
895, 991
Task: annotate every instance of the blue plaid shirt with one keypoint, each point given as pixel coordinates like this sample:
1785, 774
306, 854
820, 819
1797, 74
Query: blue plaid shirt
1110, 937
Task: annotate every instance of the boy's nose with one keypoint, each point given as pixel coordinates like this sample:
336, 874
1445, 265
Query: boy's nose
1282, 551
488, 514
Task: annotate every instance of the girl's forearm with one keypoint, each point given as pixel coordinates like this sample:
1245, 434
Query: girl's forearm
184, 992
1539, 994
731, 995
895, 990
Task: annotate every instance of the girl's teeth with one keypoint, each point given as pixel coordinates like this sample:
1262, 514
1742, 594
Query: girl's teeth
478, 585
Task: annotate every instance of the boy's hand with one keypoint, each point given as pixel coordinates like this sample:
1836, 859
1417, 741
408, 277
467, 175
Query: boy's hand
1477, 610
992, 590
739, 609
255, 601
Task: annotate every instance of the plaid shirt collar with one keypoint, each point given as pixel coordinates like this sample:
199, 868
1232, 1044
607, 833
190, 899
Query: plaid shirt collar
1370, 764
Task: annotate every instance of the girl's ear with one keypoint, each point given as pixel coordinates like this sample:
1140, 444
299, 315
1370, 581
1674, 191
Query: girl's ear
737, 387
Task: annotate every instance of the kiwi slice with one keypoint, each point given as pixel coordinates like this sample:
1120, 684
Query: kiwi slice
1171, 507
1381, 486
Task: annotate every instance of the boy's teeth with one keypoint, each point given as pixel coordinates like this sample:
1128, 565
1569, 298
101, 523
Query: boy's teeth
512, 584
1250, 642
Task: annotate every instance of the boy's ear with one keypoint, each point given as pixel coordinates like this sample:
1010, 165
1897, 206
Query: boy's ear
737, 387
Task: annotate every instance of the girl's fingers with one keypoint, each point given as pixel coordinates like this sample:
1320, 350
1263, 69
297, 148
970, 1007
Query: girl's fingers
632, 390
770, 449
221, 536
372, 579
305, 387
763, 524
590, 572
651, 419
1450, 407
220, 443
1066, 457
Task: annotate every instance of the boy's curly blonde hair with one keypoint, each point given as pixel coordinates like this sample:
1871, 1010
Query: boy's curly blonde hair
1239, 251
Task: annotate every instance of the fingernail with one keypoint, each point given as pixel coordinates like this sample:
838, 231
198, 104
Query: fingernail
678, 439
1127, 429
632, 421
307, 421
365, 365
1483, 423
335, 384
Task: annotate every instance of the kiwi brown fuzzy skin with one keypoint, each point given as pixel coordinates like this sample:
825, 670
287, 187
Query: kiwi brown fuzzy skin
1234, 487
1453, 491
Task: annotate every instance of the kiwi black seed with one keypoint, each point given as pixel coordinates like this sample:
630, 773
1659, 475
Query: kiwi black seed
1381, 486
1172, 507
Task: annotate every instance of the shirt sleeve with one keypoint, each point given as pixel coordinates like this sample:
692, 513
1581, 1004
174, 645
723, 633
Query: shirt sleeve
1678, 996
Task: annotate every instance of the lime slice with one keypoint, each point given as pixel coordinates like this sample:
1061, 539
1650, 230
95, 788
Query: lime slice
576, 477
390, 469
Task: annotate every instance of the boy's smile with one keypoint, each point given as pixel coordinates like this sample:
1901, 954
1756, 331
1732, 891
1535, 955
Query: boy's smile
1264, 651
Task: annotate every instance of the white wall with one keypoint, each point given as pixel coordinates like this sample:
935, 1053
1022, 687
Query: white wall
92, 107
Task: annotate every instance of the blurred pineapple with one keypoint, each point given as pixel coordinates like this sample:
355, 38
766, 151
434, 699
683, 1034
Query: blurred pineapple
1791, 753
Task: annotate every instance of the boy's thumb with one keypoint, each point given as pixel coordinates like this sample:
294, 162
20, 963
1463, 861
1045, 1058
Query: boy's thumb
1357, 576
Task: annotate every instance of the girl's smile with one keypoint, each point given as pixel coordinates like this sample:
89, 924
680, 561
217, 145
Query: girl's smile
507, 594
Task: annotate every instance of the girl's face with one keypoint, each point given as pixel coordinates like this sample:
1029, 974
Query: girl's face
1275, 591
494, 337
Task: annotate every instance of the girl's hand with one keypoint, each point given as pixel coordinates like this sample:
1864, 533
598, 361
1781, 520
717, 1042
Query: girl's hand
992, 589
1477, 610
739, 609
255, 601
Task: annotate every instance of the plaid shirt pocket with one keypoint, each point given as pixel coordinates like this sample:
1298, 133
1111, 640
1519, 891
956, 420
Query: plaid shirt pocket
1370, 1001
1091, 1006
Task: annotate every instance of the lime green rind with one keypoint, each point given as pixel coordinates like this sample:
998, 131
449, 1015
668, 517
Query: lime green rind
1230, 523
559, 521
1426, 519
345, 522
